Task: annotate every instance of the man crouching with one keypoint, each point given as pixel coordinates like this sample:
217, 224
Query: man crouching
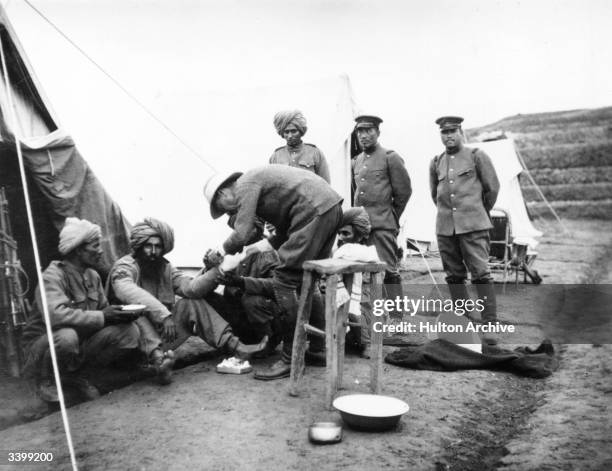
146, 277
86, 329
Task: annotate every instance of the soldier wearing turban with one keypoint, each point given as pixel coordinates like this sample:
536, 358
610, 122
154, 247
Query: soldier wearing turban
86, 329
150, 228
146, 277
291, 126
355, 227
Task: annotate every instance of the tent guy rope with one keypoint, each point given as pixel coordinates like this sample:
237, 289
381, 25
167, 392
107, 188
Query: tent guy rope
144, 107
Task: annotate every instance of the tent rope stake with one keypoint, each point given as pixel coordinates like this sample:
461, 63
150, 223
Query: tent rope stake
123, 89
41, 284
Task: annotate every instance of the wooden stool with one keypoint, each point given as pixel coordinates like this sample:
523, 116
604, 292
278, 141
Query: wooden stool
336, 321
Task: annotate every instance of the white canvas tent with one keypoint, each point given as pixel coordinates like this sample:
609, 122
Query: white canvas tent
232, 131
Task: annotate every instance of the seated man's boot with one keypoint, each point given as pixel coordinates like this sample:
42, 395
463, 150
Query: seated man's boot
278, 370
47, 390
80, 385
244, 352
45, 386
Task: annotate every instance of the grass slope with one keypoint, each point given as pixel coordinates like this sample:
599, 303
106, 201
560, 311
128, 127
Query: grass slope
569, 154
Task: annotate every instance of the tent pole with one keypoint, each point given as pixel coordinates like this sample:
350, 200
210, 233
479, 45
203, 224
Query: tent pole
41, 284
533, 182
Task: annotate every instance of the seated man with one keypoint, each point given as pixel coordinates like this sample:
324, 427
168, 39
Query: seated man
146, 277
86, 329
248, 302
355, 229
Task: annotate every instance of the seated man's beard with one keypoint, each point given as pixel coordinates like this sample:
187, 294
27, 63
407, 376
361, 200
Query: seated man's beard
151, 267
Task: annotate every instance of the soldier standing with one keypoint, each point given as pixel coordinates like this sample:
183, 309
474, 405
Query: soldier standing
291, 126
382, 187
464, 187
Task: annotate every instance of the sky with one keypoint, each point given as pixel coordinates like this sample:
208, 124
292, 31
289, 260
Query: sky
484, 58
408, 61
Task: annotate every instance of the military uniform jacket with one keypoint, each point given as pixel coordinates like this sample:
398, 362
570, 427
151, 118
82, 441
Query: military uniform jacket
464, 187
286, 197
74, 300
305, 156
382, 187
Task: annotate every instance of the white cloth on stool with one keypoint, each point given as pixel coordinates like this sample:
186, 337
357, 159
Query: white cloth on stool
354, 253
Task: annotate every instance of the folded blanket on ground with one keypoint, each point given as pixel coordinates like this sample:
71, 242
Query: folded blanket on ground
441, 355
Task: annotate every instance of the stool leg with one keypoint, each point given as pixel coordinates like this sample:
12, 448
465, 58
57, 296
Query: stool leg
299, 338
342, 317
377, 338
331, 366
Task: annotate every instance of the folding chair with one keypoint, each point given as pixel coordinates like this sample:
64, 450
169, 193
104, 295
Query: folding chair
508, 254
500, 251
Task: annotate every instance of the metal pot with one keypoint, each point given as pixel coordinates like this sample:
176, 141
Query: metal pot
370, 412
325, 432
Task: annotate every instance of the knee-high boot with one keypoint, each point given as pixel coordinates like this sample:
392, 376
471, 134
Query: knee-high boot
486, 293
392, 289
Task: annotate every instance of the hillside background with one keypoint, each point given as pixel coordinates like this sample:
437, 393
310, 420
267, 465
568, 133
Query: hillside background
569, 155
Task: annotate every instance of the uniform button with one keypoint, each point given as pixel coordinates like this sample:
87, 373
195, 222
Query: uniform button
452, 195
450, 181
363, 179
361, 193
454, 209
451, 170
452, 156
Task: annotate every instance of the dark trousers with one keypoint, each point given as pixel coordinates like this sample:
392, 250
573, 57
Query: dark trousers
385, 241
107, 345
461, 253
251, 316
311, 242
191, 317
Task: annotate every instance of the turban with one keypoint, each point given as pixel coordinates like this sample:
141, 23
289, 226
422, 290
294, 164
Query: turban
76, 232
359, 219
151, 227
282, 119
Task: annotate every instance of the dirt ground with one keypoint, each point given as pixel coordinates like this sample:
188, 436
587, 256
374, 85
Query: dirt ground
468, 420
